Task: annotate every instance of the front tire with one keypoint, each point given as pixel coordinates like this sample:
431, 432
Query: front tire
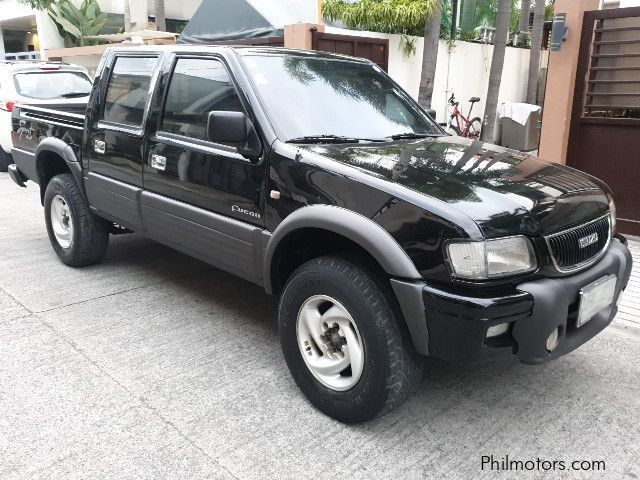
475, 128
344, 339
78, 237
455, 130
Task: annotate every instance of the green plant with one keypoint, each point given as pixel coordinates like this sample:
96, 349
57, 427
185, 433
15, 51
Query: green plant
76, 24
408, 45
389, 16
548, 12
467, 36
514, 24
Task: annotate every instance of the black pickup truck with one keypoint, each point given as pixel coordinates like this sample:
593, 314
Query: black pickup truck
318, 178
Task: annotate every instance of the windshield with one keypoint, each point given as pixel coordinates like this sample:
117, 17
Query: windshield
319, 97
52, 84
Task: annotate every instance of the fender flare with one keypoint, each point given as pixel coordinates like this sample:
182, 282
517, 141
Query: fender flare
357, 228
63, 150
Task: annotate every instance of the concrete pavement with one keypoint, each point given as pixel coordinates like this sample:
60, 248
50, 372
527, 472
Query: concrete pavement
154, 365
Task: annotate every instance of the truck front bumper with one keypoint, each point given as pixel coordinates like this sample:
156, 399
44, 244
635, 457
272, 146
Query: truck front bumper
455, 326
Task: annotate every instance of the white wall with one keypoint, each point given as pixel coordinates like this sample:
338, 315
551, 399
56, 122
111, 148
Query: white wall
629, 3
48, 36
463, 69
12, 9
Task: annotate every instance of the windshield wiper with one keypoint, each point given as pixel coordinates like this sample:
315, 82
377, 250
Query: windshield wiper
74, 94
408, 135
331, 139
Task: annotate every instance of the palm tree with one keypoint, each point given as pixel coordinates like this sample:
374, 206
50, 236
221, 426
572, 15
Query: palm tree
158, 10
497, 62
536, 50
429, 58
77, 24
523, 29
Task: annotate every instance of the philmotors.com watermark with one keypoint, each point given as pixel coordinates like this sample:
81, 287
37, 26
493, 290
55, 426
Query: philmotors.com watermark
504, 463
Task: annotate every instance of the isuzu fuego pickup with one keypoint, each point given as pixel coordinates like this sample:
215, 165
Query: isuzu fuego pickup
318, 178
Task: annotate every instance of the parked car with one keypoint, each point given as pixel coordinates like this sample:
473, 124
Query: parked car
317, 177
47, 84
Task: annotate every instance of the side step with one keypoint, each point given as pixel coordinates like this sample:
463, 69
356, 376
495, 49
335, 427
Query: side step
16, 175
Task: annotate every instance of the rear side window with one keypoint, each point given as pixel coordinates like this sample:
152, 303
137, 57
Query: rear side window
48, 85
128, 90
197, 87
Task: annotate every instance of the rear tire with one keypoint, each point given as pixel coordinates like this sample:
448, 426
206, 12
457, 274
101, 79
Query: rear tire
5, 160
78, 237
366, 312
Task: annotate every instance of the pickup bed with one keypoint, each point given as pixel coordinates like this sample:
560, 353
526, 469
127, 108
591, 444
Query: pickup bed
318, 178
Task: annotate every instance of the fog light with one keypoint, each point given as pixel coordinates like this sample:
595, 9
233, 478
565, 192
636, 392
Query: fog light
497, 330
552, 340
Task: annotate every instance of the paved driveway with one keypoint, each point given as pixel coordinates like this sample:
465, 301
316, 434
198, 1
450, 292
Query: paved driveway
154, 365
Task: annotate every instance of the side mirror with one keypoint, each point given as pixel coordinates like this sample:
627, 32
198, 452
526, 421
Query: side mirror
432, 113
230, 127
235, 127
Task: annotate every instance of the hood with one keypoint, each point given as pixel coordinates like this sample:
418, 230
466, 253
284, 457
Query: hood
503, 191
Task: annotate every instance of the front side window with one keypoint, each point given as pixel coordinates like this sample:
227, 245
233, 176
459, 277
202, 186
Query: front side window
51, 84
128, 90
197, 87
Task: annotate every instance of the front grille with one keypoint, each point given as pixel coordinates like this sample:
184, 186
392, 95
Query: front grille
565, 246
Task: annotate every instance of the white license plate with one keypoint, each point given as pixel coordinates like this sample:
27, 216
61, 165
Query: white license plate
595, 297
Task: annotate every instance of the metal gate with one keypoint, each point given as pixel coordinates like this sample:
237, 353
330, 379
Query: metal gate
604, 139
374, 49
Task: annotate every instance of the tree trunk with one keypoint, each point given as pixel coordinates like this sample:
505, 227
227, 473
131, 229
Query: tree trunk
158, 11
523, 29
467, 15
429, 58
536, 50
127, 16
495, 74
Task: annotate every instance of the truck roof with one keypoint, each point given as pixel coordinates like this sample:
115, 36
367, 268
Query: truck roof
238, 49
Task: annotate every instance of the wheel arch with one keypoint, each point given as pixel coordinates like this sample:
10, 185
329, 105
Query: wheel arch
53, 157
370, 237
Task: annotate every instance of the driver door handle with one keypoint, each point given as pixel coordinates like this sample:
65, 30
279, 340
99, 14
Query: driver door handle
99, 146
158, 162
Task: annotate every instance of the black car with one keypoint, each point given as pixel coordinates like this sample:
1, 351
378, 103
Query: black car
318, 178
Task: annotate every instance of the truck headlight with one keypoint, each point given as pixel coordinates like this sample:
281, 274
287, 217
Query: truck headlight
491, 258
612, 213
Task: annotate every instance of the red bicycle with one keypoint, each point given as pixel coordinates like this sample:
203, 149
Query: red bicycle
462, 125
